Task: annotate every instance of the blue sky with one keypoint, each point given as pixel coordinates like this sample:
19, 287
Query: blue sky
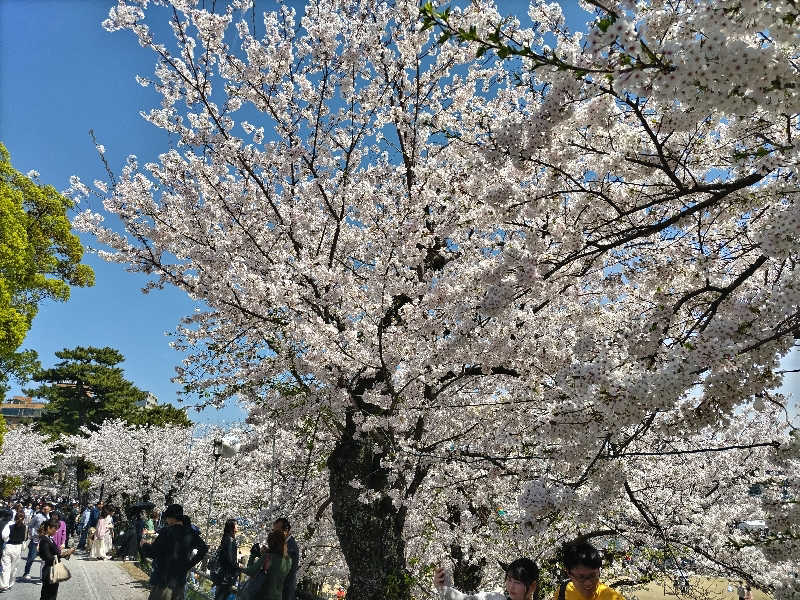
62, 74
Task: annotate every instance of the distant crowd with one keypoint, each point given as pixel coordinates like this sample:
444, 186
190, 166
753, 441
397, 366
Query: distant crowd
168, 542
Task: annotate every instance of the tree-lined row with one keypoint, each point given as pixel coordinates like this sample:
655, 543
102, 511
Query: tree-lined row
650, 510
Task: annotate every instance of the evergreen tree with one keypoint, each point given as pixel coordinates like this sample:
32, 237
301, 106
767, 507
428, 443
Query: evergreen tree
87, 387
163, 414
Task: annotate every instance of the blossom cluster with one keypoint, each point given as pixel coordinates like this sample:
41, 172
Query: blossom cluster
25, 453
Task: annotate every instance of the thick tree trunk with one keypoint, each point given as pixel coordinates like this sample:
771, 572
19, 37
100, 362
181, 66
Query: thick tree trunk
370, 535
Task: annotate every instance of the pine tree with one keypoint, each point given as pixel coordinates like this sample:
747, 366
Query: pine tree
87, 387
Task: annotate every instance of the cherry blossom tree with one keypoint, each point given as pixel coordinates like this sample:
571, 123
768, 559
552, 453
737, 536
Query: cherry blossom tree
572, 274
24, 453
175, 464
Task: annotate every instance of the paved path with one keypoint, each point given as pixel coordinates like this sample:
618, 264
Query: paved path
91, 580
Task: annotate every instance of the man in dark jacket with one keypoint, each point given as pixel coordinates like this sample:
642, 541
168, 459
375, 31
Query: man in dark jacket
174, 553
290, 583
94, 516
72, 522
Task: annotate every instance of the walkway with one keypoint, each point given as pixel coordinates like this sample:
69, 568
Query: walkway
91, 580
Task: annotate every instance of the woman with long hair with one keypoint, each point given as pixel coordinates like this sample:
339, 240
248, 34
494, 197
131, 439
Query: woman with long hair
101, 545
275, 562
227, 562
49, 552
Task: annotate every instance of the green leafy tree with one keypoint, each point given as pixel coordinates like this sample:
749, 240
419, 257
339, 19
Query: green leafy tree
85, 388
40, 258
17, 366
9, 485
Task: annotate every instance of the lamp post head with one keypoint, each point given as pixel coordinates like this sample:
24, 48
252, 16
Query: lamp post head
217, 449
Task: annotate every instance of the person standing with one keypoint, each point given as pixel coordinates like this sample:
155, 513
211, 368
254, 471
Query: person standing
6, 516
151, 522
133, 540
49, 552
13, 535
94, 515
293, 551
175, 551
72, 522
255, 554
60, 538
582, 562
83, 526
227, 561
740, 590
33, 533
275, 562
102, 536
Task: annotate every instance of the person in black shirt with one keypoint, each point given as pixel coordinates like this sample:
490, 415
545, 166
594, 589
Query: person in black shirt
227, 568
175, 551
48, 552
72, 522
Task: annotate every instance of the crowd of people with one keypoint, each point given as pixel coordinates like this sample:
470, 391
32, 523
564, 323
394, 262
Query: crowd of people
172, 546
169, 543
35, 528
178, 548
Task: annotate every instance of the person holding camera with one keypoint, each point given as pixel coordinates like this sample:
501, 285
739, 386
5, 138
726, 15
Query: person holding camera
521, 581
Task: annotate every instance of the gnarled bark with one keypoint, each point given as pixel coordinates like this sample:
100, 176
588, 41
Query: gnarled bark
370, 534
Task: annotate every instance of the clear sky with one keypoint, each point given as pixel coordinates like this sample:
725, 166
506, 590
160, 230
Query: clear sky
62, 74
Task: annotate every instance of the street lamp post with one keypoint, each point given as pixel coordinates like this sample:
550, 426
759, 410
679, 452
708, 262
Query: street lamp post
217, 452
272, 475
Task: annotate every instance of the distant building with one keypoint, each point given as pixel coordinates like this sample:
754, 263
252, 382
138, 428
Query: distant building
21, 409
150, 401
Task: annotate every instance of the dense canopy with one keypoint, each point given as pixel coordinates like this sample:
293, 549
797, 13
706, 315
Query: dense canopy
508, 302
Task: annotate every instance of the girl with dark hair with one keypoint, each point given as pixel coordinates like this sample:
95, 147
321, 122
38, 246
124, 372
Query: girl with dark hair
60, 538
275, 563
227, 562
48, 551
522, 579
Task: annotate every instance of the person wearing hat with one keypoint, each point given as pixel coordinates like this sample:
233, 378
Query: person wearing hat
522, 578
175, 551
582, 562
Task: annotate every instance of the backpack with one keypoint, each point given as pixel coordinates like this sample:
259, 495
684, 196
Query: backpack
213, 561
